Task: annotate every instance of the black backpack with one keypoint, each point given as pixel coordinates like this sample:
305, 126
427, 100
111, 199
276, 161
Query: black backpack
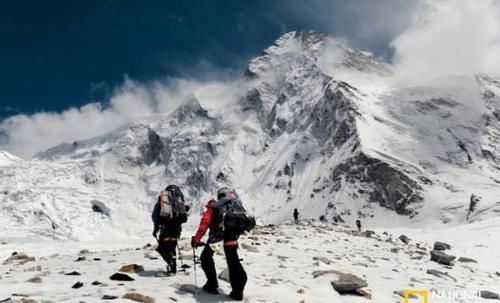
234, 216
177, 208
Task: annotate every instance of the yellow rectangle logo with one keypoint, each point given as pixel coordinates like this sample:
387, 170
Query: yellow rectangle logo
408, 293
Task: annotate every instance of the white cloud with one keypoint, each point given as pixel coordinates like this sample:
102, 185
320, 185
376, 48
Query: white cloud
449, 37
28, 134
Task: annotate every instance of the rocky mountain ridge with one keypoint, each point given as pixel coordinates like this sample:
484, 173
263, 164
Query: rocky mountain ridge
305, 134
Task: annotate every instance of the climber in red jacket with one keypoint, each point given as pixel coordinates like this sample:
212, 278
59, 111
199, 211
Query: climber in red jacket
212, 219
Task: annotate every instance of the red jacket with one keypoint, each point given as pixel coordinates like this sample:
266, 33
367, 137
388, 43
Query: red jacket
207, 221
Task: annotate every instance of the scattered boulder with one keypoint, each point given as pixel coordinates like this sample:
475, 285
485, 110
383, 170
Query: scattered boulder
139, 298
80, 259
95, 283
440, 274
73, 273
347, 283
132, 268
419, 246
442, 258
441, 246
77, 285
121, 277
18, 258
404, 239
345, 287
485, 294
466, 260
224, 275
100, 207
35, 279
84, 252
108, 297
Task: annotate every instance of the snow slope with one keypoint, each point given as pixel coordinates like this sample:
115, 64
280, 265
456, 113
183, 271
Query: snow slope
281, 262
7, 159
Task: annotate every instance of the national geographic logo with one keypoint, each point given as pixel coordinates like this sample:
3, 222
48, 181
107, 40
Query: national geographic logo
441, 296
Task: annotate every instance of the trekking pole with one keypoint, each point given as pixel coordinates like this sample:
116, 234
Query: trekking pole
180, 259
195, 278
194, 264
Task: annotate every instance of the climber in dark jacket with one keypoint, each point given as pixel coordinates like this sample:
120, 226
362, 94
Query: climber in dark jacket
358, 224
169, 212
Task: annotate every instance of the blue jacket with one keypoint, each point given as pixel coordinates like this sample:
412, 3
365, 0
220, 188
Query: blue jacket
178, 220
155, 216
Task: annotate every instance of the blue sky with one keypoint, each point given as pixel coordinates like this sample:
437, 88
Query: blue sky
58, 54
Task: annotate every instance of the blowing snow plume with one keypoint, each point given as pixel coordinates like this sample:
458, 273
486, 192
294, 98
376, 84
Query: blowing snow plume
25, 135
448, 38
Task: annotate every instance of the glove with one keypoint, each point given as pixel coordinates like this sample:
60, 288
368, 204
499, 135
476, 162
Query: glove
155, 231
196, 243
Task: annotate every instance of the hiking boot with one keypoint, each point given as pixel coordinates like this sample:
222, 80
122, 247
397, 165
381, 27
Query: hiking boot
237, 296
210, 289
172, 267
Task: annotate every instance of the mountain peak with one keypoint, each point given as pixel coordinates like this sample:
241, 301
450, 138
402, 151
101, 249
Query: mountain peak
330, 54
285, 50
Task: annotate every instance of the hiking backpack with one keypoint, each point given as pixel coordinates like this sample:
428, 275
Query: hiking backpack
174, 206
234, 216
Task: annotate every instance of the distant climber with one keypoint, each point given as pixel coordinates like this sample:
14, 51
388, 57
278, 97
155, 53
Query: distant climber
227, 220
169, 212
358, 224
296, 216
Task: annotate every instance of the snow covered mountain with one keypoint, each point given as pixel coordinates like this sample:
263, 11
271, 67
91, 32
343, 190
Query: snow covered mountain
318, 126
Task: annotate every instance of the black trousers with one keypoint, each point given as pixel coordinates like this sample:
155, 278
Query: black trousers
167, 245
166, 249
237, 274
